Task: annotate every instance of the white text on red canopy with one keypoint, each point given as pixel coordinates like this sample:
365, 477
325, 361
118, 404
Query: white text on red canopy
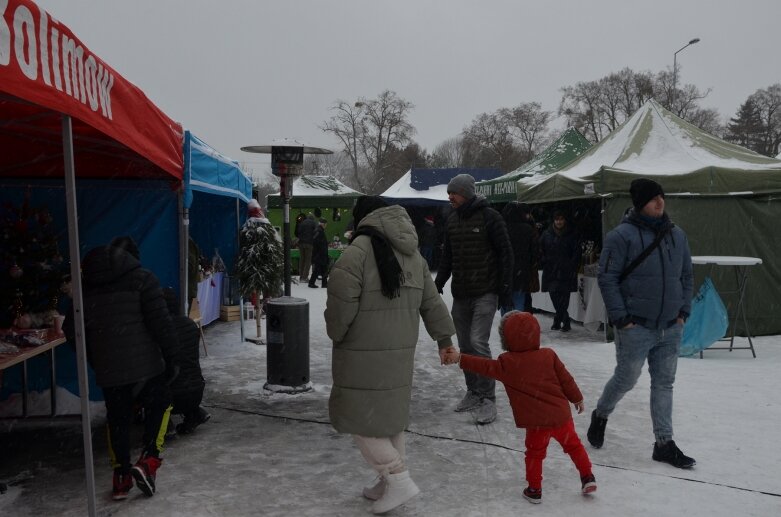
42, 53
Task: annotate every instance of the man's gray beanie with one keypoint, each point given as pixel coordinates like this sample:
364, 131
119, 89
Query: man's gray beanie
463, 184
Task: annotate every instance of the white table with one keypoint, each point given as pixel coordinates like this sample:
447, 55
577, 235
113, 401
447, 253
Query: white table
209, 297
741, 267
585, 304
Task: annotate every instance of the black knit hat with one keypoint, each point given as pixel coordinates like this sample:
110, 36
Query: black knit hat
644, 190
462, 184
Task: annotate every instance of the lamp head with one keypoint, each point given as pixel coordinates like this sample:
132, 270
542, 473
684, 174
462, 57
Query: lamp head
695, 40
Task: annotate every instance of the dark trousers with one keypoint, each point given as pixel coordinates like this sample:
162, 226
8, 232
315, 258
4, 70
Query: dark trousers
319, 269
188, 403
154, 397
560, 300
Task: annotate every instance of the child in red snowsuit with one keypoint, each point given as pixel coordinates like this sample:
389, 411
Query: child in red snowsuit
540, 389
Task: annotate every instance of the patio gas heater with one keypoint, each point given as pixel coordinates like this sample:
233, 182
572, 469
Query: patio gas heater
287, 318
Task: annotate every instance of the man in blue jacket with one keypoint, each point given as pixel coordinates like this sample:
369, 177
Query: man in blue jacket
648, 298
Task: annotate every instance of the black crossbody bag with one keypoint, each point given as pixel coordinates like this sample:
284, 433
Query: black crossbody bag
641, 257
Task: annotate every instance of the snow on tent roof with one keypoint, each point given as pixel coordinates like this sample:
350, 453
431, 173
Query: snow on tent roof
562, 151
655, 142
320, 191
429, 186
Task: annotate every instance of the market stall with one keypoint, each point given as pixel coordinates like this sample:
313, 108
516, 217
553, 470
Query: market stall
60, 125
216, 192
726, 197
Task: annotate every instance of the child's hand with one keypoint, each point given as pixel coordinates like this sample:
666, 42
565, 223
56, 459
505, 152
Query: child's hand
449, 355
579, 406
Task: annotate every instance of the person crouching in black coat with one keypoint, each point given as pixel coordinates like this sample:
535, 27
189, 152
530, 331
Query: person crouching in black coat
319, 255
187, 387
131, 346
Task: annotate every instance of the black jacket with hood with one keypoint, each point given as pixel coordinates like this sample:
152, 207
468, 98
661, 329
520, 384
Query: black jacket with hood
128, 330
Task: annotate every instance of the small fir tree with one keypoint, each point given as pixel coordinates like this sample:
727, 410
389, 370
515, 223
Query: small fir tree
260, 264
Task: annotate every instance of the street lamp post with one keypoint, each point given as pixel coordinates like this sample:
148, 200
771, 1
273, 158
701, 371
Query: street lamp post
287, 318
675, 69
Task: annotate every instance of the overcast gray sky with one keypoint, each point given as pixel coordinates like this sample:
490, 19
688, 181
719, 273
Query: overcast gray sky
246, 72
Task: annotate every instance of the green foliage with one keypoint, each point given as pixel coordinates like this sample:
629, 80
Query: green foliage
260, 264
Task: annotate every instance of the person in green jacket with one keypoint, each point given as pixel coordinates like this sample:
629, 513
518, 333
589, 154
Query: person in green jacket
378, 291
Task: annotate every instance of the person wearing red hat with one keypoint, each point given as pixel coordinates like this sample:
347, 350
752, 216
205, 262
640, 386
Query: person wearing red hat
540, 390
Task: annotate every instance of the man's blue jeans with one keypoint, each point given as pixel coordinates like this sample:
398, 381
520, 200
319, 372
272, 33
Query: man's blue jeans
633, 346
473, 318
519, 302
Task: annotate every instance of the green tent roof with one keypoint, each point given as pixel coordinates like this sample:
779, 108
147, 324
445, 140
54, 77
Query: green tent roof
566, 148
654, 142
317, 191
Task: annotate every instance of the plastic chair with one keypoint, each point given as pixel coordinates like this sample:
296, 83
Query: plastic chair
195, 315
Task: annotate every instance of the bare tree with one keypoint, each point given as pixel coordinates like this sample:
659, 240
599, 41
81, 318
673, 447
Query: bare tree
369, 130
599, 107
489, 142
528, 124
385, 127
346, 124
768, 105
450, 153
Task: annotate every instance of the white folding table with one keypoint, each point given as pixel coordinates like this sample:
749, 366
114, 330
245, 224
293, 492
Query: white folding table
741, 267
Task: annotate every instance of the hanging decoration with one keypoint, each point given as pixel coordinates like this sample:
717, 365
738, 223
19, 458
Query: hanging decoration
31, 266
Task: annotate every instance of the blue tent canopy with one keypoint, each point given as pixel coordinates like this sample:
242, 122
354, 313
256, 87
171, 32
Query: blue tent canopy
216, 191
206, 170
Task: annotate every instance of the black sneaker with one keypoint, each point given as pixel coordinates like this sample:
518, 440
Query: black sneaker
588, 484
670, 453
556, 326
596, 431
533, 495
566, 327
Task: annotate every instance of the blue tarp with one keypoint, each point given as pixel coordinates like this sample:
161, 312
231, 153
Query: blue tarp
143, 209
206, 170
212, 184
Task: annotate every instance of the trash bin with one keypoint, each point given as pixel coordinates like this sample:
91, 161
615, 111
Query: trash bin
287, 345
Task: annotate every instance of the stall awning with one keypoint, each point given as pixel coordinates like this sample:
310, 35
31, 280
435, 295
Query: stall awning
45, 70
208, 171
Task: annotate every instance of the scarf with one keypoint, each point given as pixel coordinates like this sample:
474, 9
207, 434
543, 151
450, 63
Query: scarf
391, 274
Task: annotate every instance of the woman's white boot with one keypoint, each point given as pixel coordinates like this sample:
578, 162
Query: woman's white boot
376, 491
399, 489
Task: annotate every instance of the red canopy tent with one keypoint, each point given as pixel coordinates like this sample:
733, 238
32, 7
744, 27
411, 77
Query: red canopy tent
65, 113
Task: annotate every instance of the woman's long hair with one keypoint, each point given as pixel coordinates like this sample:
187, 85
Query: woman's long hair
391, 274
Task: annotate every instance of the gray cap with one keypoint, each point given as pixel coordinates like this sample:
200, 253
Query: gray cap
462, 184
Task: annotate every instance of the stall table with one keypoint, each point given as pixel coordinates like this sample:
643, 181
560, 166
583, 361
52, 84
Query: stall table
740, 266
51, 340
209, 297
585, 304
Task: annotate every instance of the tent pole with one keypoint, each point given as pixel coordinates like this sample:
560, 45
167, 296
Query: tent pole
238, 247
184, 254
81, 355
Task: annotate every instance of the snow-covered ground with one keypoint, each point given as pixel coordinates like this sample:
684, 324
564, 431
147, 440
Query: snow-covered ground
277, 455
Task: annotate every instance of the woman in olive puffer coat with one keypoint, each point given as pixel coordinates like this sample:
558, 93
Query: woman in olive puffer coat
377, 293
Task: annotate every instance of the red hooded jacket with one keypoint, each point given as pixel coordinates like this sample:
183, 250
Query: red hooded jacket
538, 384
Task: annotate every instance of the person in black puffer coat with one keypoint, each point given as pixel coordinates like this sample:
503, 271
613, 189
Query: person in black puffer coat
320, 255
560, 258
131, 346
526, 250
187, 387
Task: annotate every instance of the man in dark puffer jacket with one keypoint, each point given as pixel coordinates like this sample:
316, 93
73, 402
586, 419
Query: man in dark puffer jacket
187, 387
477, 252
131, 346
